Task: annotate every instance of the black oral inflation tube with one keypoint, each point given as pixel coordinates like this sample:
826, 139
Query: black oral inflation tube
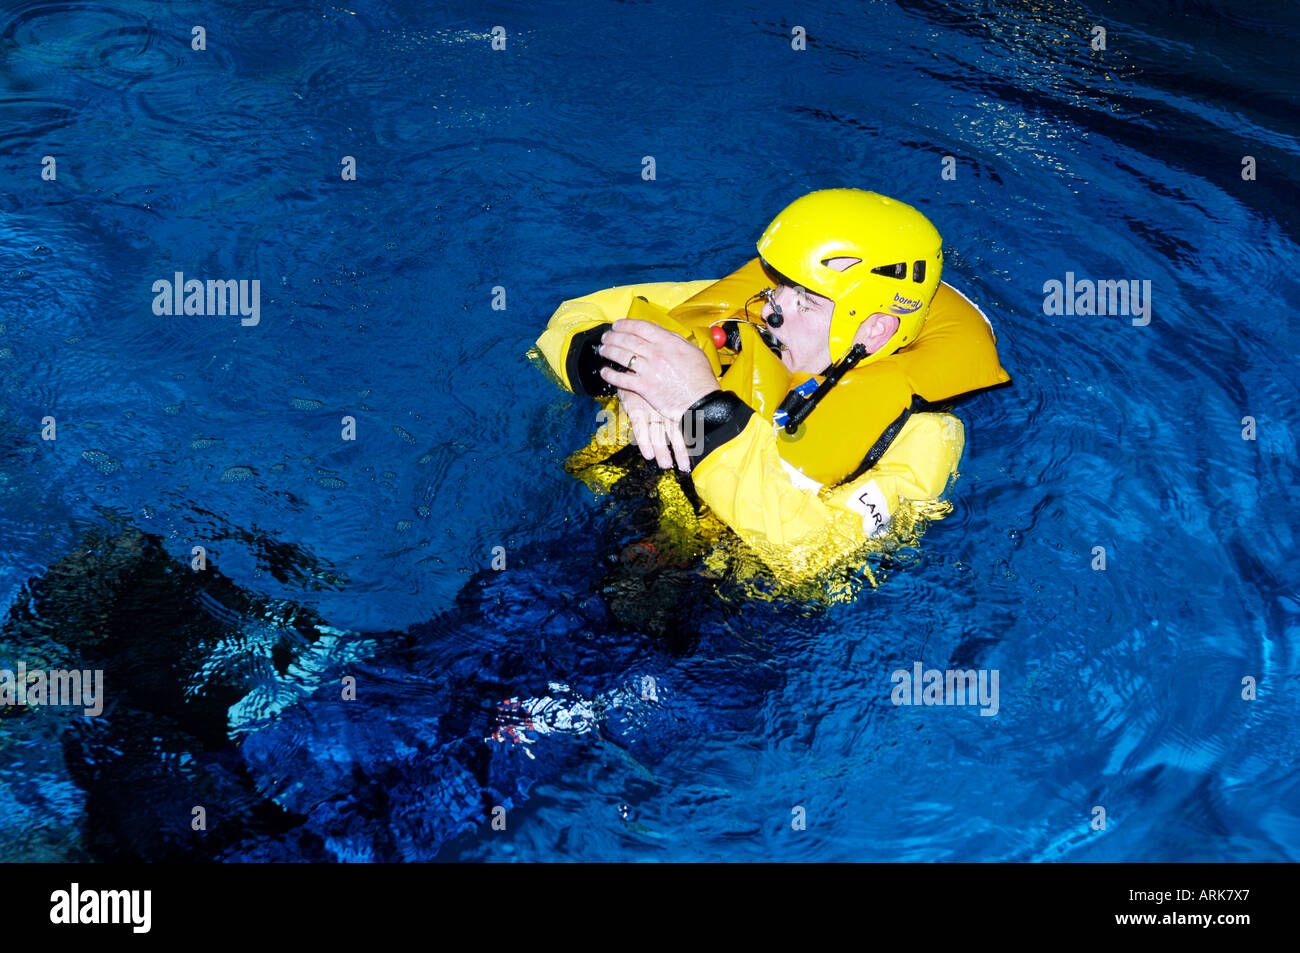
796, 407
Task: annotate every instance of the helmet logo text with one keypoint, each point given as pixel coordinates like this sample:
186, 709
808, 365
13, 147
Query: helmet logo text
902, 305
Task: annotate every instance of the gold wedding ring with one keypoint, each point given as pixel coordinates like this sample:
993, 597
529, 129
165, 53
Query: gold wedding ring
631, 365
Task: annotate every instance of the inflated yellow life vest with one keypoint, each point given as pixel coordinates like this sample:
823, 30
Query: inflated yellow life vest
872, 452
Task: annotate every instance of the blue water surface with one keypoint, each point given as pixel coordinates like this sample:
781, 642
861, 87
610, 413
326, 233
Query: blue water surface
522, 169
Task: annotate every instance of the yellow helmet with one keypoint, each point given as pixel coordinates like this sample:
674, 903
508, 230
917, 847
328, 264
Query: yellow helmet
901, 261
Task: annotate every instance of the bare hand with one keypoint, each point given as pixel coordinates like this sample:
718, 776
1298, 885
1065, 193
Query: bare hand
658, 438
667, 370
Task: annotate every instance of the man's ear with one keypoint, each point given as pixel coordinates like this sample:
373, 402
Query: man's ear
874, 332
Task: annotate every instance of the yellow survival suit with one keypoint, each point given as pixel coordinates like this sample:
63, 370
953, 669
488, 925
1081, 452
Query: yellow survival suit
872, 456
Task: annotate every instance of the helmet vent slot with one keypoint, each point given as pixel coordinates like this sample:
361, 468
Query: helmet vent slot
918, 272
892, 271
840, 262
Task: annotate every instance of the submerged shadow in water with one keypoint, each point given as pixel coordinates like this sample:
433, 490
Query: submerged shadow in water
292, 740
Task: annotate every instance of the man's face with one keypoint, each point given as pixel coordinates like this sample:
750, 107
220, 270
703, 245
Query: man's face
805, 330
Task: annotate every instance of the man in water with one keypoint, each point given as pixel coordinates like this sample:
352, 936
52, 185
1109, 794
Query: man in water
805, 455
